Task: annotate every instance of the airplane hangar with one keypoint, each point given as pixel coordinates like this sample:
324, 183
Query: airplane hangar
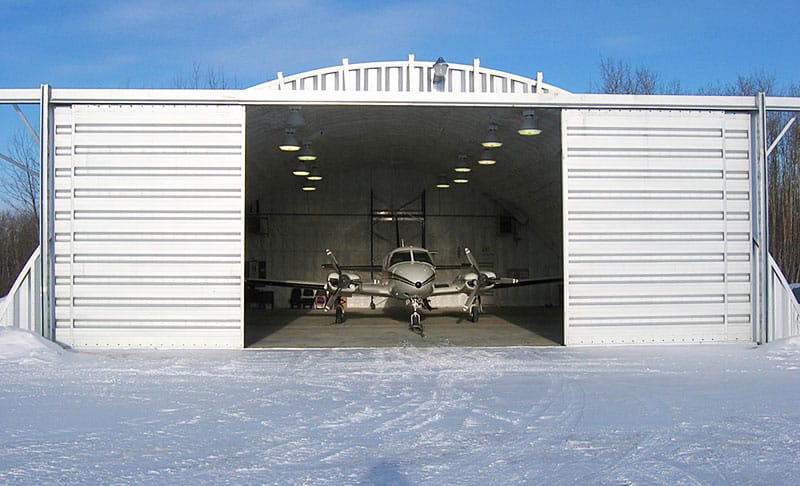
161, 204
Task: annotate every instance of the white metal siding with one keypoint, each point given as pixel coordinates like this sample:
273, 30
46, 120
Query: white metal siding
148, 225
657, 226
784, 310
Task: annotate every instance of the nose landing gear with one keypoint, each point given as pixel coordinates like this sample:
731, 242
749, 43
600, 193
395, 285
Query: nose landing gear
416, 319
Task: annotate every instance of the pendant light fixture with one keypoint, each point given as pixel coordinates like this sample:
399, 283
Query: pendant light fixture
290, 143
306, 154
300, 169
487, 158
528, 127
491, 140
314, 175
462, 167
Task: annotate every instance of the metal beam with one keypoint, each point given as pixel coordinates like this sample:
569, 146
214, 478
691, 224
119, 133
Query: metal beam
780, 135
46, 216
761, 250
519, 100
264, 96
19, 165
27, 123
20, 96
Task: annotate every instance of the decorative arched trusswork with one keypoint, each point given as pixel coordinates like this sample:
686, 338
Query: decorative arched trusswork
409, 76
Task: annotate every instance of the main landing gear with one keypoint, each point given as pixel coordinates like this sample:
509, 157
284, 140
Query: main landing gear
475, 310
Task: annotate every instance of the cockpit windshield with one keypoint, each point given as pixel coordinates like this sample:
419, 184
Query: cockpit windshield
399, 257
422, 256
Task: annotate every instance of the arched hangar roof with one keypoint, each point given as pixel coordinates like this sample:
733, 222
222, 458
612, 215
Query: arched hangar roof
408, 76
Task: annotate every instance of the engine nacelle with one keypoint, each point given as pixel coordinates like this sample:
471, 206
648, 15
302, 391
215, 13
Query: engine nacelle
471, 279
345, 281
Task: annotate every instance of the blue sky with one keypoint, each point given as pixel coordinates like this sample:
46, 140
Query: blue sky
148, 43
151, 43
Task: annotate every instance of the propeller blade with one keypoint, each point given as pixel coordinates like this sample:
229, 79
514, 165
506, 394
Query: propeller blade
332, 298
471, 299
472, 261
334, 260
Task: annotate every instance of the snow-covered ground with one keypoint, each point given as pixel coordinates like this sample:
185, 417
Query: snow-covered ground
702, 414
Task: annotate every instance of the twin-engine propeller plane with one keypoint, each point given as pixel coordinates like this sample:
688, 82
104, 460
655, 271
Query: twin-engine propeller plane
411, 278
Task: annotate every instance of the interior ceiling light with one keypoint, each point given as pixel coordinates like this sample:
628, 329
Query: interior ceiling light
491, 140
462, 167
442, 184
290, 143
295, 117
309, 187
301, 170
314, 175
486, 158
460, 179
528, 127
306, 154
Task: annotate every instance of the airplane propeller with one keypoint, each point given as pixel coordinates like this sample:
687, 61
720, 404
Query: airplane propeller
342, 282
342, 279
483, 281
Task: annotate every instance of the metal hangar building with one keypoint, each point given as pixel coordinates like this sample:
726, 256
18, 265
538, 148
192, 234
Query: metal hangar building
158, 204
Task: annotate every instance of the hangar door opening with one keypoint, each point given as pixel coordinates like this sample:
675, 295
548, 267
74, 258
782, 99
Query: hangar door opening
380, 166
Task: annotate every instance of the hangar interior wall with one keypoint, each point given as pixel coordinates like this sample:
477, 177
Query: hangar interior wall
657, 226
148, 225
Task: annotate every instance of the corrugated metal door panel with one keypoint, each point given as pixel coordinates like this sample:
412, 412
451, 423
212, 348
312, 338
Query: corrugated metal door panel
149, 226
657, 226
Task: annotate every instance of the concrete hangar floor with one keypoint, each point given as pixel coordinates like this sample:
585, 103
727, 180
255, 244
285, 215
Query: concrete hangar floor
388, 327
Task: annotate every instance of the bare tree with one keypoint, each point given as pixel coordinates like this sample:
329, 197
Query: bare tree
22, 186
618, 77
19, 236
214, 78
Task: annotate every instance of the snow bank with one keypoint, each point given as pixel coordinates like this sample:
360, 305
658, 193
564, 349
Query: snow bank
17, 345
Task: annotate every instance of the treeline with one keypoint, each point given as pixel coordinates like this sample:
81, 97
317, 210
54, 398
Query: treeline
619, 77
19, 236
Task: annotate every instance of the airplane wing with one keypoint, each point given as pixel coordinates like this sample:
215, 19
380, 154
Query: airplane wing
448, 288
260, 282
373, 289
506, 283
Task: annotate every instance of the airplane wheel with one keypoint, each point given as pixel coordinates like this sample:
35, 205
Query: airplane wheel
474, 313
339, 315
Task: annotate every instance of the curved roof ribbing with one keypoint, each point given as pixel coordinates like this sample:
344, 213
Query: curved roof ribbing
408, 76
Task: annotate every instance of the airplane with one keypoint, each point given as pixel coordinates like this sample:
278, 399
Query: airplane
411, 278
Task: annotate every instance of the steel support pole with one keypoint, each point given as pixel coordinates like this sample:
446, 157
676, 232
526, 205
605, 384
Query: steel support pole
46, 215
761, 254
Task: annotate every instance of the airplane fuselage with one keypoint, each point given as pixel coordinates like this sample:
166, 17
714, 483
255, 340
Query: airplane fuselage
411, 274
410, 280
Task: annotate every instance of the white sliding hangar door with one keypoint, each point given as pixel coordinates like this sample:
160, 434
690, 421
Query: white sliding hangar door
148, 225
657, 226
